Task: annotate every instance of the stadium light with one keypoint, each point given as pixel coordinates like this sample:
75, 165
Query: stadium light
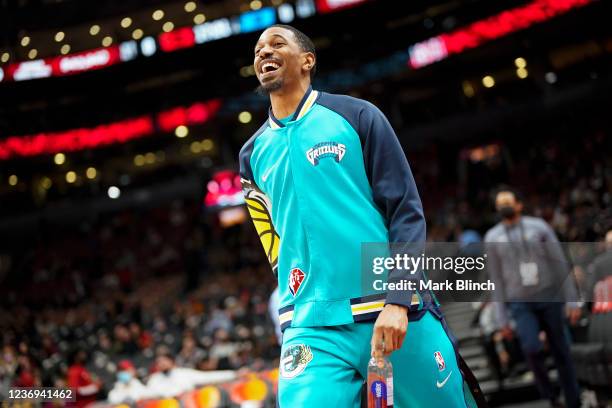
168, 26
32, 53
247, 70
190, 6
207, 145
468, 89
195, 147
25, 41
137, 34
13, 180
521, 73
181, 131
139, 160
114, 192
520, 62
126, 22
199, 18
488, 81
243, 72
286, 13
245, 117
71, 177
46, 183
255, 5
107, 41
158, 15
94, 29
5, 57
91, 173
59, 158
65, 49
59, 36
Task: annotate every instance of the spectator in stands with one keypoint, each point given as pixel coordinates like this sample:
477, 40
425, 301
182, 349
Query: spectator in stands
26, 375
190, 355
223, 350
524, 276
171, 380
79, 379
8, 368
128, 387
502, 352
601, 267
124, 342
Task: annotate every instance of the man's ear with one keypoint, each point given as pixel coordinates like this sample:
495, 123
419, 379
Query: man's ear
309, 61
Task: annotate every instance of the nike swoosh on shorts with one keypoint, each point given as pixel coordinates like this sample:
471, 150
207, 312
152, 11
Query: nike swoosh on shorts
441, 384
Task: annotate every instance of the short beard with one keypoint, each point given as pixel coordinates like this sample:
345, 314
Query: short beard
267, 89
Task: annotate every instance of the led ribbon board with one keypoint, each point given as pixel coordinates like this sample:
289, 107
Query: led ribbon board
107, 134
438, 48
181, 38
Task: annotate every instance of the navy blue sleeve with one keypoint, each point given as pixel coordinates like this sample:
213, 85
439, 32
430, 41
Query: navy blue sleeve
393, 186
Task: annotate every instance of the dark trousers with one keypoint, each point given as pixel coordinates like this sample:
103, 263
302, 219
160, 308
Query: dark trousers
532, 317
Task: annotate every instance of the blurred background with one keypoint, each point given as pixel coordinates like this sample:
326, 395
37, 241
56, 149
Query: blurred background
124, 244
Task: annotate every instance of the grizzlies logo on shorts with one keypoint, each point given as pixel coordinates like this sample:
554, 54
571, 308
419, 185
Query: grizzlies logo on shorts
294, 360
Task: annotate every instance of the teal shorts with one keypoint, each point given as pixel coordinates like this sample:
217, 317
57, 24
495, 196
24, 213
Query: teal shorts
327, 366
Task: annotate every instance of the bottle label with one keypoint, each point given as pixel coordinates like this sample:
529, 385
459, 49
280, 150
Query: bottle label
389, 391
378, 391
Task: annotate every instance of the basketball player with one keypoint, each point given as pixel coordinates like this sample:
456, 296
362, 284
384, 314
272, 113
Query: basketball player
322, 175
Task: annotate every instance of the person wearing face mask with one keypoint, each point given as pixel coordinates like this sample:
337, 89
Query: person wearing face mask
534, 286
128, 387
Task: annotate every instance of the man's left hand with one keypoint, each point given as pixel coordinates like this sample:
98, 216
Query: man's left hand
389, 330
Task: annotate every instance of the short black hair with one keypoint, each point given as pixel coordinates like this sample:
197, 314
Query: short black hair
305, 43
518, 196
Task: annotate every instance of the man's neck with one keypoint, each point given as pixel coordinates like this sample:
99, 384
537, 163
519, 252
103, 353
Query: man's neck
511, 221
285, 101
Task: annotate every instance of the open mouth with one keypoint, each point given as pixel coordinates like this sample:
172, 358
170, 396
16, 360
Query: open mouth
269, 67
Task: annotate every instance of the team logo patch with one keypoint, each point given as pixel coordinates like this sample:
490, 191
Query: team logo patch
440, 361
296, 277
294, 360
326, 149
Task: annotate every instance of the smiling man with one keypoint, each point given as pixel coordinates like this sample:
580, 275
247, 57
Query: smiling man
324, 174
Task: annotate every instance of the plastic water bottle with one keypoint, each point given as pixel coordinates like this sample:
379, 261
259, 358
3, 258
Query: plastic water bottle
380, 383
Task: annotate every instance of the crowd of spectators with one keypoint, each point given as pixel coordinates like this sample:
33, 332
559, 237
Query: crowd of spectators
136, 286
566, 180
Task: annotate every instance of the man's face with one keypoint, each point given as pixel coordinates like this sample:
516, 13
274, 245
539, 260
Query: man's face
279, 59
506, 199
164, 363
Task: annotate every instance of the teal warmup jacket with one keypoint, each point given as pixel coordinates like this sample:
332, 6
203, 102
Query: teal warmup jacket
332, 177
